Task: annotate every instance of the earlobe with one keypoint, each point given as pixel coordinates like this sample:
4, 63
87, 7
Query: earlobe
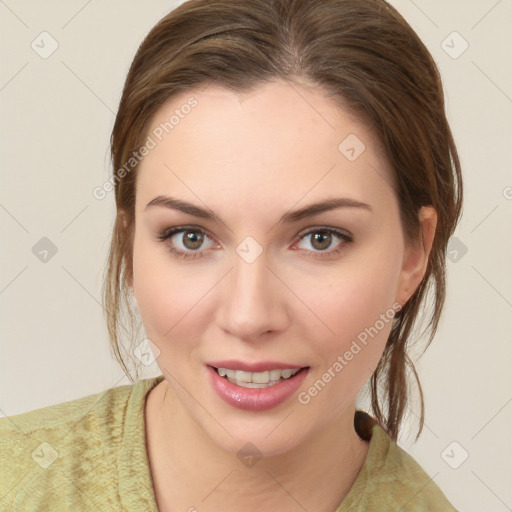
416, 255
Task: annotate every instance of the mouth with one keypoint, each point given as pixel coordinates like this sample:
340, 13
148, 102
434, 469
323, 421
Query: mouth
262, 379
267, 386
255, 386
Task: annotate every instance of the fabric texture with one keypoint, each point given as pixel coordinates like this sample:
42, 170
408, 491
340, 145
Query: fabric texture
90, 454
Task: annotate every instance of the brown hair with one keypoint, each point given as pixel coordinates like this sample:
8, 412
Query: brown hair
369, 60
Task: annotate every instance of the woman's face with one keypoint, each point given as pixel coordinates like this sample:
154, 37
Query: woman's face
257, 280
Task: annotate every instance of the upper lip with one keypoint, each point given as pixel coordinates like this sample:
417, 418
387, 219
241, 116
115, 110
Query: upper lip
258, 366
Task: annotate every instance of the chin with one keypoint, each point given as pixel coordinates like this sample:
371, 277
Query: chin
256, 442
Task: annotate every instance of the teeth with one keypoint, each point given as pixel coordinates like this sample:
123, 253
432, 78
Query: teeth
261, 377
242, 376
256, 379
275, 374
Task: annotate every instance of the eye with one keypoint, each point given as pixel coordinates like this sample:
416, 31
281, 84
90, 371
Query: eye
188, 242
323, 238
185, 242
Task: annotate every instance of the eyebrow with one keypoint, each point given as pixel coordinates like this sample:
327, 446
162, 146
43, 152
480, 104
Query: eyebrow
292, 216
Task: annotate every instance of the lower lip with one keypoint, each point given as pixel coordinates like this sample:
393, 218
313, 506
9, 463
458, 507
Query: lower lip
256, 399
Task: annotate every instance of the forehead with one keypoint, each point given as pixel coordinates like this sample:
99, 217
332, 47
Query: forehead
264, 111
278, 137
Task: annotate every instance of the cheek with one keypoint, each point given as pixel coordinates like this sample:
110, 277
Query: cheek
353, 307
164, 297
358, 311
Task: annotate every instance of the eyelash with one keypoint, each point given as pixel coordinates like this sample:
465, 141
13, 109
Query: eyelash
341, 234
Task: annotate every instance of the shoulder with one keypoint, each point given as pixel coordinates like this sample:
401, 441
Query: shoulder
398, 474
391, 479
56, 417
68, 450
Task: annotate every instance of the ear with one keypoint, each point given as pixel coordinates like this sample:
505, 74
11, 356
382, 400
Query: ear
416, 254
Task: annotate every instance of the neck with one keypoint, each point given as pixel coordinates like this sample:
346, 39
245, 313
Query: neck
190, 472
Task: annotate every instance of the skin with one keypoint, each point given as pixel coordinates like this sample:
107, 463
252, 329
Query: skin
250, 158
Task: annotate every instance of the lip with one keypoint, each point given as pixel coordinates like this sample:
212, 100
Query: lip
260, 366
256, 399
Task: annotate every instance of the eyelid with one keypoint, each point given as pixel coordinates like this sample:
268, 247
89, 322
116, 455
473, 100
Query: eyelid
342, 234
166, 234
315, 229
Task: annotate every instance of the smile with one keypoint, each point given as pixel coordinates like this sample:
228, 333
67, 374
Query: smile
256, 390
256, 379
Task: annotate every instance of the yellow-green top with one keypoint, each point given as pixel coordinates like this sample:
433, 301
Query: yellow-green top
90, 454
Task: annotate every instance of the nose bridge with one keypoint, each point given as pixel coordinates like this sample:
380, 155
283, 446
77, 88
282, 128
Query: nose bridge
252, 303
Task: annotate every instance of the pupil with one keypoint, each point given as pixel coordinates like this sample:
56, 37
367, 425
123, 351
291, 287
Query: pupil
318, 238
195, 240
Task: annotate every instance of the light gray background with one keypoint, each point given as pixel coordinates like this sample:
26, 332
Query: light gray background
56, 117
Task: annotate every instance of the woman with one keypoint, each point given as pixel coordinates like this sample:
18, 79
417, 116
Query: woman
286, 185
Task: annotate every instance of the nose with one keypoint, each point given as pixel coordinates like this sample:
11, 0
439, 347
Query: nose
253, 301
